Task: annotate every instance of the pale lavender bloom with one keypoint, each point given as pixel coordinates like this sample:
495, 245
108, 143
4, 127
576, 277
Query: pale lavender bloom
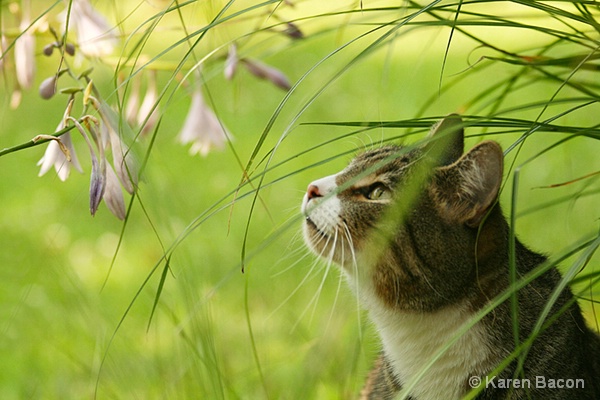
202, 128
95, 36
3, 47
123, 159
132, 107
269, 73
148, 112
113, 195
231, 62
55, 156
15, 98
25, 55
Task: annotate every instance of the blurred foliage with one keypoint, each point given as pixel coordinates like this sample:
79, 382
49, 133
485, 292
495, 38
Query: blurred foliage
78, 292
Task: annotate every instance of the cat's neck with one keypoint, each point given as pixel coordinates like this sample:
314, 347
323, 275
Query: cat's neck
444, 347
435, 351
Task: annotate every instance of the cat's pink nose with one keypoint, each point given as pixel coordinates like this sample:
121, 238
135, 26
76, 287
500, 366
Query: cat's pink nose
313, 191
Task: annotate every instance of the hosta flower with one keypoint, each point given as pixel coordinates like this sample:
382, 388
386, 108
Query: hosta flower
3, 47
231, 62
148, 112
202, 128
95, 36
113, 195
25, 55
132, 107
55, 156
123, 159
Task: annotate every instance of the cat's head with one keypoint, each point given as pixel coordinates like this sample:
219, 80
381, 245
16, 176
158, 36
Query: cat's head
404, 221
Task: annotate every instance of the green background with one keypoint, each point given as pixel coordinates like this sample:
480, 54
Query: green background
72, 327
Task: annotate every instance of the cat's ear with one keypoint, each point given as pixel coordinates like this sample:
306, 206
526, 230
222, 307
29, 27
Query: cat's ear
446, 140
467, 189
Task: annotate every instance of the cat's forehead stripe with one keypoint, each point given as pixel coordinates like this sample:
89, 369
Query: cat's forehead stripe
386, 160
366, 181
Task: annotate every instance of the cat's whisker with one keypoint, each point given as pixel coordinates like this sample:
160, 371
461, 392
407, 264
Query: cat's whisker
292, 210
354, 266
347, 235
350, 242
291, 266
308, 276
330, 260
316, 296
292, 251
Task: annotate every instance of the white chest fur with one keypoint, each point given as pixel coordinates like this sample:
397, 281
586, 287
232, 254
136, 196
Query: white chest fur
412, 340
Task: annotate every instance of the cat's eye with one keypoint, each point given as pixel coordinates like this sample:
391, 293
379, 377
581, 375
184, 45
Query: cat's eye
378, 191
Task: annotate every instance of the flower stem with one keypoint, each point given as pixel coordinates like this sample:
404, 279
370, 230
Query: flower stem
33, 142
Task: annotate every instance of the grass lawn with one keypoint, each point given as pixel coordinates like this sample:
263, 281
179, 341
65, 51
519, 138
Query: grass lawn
78, 292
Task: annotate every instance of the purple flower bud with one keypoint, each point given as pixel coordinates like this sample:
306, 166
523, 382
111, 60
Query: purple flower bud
98, 176
48, 87
264, 71
49, 49
70, 49
97, 183
293, 31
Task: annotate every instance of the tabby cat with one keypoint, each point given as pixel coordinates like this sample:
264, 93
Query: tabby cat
422, 240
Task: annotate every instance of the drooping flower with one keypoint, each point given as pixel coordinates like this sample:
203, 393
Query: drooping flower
55, 156
148, 112
132, 106
98, 175
231, 62
113, 195
3, 47
202, 128
95, 36
25, 55
123, 160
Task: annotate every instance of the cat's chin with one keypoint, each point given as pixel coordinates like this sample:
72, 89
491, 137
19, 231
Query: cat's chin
331, 247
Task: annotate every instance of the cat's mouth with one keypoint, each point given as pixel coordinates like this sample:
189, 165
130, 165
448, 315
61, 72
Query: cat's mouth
314, 228
330, 241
